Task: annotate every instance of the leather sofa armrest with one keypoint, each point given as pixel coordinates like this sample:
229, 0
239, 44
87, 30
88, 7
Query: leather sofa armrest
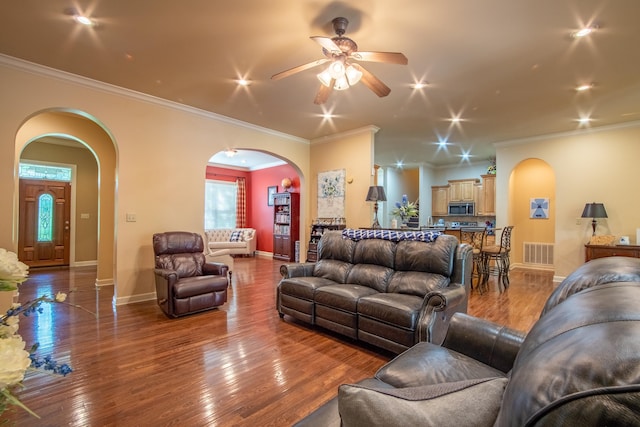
488, 342
169, 275
303, 269
215, 269
438, 307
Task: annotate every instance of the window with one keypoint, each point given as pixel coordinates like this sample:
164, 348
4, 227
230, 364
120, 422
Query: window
45, 217
219, 204
54, 173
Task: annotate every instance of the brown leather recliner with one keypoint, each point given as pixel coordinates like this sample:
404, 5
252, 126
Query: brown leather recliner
185, 282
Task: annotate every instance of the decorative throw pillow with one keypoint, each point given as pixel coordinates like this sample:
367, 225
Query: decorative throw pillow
460, 404
236, 236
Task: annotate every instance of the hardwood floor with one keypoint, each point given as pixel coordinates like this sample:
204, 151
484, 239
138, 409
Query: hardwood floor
240, 365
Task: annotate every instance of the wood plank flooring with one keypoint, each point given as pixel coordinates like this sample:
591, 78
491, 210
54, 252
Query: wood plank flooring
240, 365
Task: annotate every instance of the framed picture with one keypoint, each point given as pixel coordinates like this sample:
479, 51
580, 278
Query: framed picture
539, 208
270, 192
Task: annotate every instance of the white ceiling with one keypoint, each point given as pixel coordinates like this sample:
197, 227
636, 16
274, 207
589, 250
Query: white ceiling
507, 67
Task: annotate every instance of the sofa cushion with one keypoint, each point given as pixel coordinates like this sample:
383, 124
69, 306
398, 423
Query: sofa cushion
333, 246
427, 363
466, 403
579, 361
375, 251
226, 245
303, 287
344, 297
237, 236
416, 283
435, 257
332, 269
396, 309
373, 276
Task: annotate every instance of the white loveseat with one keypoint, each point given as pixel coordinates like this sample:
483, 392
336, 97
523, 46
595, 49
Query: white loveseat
239, 241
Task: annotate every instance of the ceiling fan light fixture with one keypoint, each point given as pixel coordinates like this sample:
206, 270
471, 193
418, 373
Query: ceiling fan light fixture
341, 83
353, 75
336, 69
325, 78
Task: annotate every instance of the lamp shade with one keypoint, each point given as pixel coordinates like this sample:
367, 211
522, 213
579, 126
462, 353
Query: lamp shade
376, 194
594, 210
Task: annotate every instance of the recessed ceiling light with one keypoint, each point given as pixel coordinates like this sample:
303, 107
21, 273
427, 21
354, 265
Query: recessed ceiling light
420, 85
243, 82
584, 31
584, 120
81, 19
584, 87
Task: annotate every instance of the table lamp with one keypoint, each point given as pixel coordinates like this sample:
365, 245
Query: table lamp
376, 194
594, 210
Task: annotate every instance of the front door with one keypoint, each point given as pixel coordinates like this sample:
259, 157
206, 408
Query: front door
45, 212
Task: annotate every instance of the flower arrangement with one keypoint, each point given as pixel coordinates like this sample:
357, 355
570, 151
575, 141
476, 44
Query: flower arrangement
16, 361
405, 209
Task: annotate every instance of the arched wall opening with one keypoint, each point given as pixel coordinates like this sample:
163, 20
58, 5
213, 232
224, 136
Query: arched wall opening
87, 130
531, 179
259, 213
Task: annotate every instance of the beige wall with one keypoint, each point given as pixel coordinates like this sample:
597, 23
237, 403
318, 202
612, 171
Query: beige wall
162, 150
353, 152
588, 166
86, 192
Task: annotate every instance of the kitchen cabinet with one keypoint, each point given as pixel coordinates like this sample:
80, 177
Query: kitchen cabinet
439, 200
478, 198
461, 190
488, 195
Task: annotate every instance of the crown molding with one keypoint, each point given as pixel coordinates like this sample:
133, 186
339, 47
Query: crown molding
53, 73
576, 132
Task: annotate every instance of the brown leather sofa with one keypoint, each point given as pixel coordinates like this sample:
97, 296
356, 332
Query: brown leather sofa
391, 291
185, 282
579, 365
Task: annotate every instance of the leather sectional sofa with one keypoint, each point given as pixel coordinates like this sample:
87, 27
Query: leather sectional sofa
390, 289
579, 365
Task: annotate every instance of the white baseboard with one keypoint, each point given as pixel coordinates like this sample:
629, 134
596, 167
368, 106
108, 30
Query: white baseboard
84, 263
104, 282
151, 296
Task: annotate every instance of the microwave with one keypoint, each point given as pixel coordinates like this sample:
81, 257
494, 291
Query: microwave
461, 208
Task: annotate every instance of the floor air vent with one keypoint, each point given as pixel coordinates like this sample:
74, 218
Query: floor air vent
538, 254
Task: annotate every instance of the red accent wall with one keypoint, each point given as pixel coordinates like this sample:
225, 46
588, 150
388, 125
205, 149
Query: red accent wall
259, 214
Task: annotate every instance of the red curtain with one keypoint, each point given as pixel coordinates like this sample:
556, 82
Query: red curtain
241, 203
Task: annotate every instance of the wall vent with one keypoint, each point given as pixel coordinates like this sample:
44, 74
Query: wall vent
538, 254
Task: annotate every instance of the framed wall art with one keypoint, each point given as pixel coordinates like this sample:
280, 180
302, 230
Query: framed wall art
539, 208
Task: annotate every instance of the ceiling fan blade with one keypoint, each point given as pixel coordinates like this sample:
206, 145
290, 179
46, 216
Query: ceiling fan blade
323, 93
327, 44
299, 68
388, 57
372, 82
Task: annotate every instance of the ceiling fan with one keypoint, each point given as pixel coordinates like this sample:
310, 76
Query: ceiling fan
343, 72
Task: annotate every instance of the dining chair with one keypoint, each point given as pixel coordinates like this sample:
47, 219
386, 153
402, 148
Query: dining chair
475, 236
499, 254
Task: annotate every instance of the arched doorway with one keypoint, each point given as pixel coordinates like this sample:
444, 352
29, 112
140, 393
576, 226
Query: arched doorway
87, 131
532, 179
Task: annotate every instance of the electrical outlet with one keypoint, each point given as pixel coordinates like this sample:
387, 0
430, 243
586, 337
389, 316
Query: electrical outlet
131, 217
578, 221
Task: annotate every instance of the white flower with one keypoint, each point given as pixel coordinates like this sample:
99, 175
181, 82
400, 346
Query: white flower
15, 361
12, 271
61, 296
